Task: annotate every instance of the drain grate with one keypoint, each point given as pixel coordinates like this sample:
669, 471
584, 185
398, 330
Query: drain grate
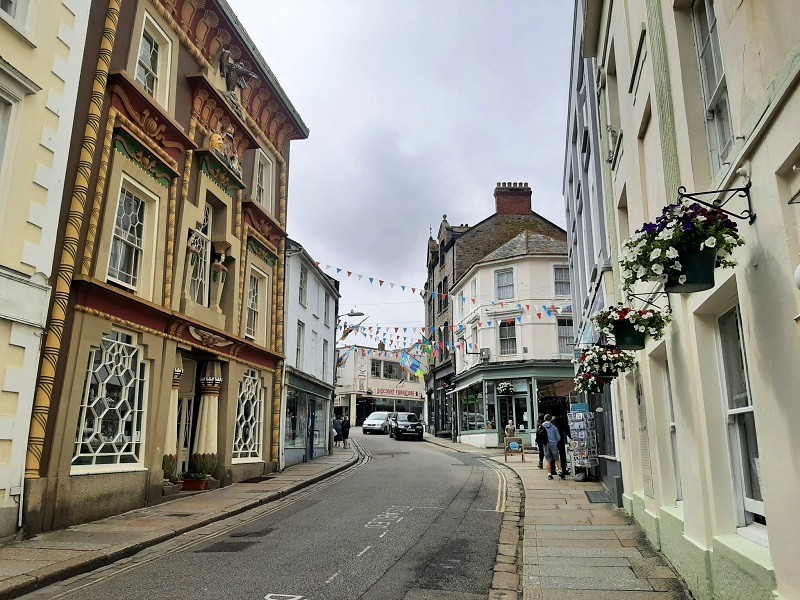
227, 547
599, 497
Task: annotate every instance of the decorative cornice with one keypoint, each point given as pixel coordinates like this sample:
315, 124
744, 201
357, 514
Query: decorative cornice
220, 173
261, 251
129, 147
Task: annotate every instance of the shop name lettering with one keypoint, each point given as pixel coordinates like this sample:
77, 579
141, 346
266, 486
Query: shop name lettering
393, 392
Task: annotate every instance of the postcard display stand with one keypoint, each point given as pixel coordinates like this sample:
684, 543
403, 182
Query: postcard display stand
583, 439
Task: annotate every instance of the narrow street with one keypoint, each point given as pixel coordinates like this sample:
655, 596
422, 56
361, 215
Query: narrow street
410, 521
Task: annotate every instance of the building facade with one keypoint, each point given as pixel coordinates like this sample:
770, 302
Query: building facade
511, 352
704, 94
312, 303
165, 338
589, 241
41, 54
370, 380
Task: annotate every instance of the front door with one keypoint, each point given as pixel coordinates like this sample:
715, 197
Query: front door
505, 408
312, 426
185, 431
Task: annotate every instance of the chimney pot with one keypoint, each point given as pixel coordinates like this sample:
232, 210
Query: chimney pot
513, 198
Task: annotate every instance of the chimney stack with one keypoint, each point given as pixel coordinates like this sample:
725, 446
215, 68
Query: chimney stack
512, 198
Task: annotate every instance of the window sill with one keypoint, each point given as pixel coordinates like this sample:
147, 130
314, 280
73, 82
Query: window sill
19, 29
751, 557
244, 461
105, 469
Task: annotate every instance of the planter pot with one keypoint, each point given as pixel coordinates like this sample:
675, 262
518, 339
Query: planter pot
194, 485
699, 270
626, 337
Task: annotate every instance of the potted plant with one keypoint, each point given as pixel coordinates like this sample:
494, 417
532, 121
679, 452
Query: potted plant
201, 467
680, 248
629, 327
599, 365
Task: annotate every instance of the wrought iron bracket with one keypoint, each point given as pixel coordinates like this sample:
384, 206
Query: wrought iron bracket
724, 196
647, 299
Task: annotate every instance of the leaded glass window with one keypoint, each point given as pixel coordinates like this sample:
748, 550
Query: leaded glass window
112, 408
201, 243
125, 258
249, 411
147, 64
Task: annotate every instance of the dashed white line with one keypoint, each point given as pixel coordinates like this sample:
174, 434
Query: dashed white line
383, 534
332, 577
400, 519
364, 550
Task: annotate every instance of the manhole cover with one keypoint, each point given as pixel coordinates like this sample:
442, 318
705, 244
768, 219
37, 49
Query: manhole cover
227, 547
598, 497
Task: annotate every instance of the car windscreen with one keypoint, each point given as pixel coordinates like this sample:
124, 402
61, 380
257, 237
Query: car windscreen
378, 416
411, 417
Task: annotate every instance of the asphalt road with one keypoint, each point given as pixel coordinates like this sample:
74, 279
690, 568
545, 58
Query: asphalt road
413, 521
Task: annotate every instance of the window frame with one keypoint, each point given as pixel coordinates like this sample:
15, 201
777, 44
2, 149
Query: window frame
301, 334
161, 93
264, 181
505, 324
326, 309
23, 19
303, 286
563, 282
325, 358
259, 334
497, 286
202, 267
562, 335
256, 452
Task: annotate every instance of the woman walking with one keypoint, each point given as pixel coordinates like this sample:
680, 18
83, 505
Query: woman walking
345, 431
337, 428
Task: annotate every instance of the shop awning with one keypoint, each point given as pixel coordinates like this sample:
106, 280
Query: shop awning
459, 388
560, 388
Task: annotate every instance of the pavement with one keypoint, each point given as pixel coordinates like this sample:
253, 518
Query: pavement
556, 545
58, 555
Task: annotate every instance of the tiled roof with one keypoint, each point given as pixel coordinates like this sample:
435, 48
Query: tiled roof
527, 243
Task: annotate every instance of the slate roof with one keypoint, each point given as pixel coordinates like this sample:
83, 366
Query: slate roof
527, 243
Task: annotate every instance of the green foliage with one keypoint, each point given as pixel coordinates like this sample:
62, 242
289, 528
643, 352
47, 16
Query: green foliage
169, 464
204, 464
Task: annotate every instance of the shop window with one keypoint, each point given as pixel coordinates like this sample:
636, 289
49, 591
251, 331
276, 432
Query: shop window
508, 337
504, 282
152, 61
200, 241
561, 276
565, 335
712, 75
296, 419
249, 417
110, 425
742, 437
472, 414
127, 240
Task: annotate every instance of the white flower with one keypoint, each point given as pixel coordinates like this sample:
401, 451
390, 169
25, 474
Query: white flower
657, 268
682, 279
677, 266
700, 218
655, 253
640, 271
652, 331
710, 242
662, 278
672, 253
730, 240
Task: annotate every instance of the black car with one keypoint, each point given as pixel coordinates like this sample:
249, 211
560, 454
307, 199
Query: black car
403, 424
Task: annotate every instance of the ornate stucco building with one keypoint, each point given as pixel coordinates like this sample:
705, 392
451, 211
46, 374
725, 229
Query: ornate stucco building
165, 337
704, 94
41, 53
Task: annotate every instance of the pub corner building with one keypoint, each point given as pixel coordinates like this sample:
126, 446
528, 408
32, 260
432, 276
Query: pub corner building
165, 339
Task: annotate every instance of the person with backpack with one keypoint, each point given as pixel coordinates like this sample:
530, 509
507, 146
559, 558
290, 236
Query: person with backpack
541, 438
551, 450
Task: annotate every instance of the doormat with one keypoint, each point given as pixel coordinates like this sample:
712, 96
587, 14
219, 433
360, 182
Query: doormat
599, 497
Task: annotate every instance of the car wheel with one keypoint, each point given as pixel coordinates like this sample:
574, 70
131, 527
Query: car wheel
419, 437
396, 436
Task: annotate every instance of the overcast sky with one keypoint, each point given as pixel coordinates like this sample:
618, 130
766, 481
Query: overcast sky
416, 109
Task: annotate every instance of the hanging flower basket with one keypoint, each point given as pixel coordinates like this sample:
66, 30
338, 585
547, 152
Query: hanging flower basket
680, 248
630, 327
505, 387
600, 364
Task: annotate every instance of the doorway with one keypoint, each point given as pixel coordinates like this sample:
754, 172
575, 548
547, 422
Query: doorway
312, 426
187, 415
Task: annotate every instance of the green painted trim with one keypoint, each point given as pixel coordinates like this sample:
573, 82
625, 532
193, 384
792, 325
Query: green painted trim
261, 251
131, 149
750, 557
220, 174
673, 515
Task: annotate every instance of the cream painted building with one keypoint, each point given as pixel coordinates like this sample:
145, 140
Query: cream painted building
705, 95
41, 51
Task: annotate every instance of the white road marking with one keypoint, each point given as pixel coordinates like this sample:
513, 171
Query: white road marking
365, 549
383, 534
400, 519
332, 577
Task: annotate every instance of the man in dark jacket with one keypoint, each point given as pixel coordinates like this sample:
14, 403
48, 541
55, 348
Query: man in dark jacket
563, 429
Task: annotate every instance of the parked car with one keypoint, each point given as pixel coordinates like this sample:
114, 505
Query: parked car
404, 423
377, 422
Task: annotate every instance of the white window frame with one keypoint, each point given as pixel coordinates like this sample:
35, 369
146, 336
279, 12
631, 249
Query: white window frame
301, 334
264, 181
138, 404
562, 282
200, 282
303, 286
325, 358
566, 339
137, 246
673, 436
23, 18
251, 392
505, 295
715, 101
326, 309
746, 507
164, 67
473, 287
501, 325
256, 306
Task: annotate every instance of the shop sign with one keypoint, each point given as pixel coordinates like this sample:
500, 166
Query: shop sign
396, 393
520, 385
579, 407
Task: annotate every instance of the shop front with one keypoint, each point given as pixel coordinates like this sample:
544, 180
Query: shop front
307, 420
488, 398
391, 400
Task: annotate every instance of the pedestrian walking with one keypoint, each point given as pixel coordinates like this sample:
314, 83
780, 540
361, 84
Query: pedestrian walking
510, 430
345, 431
561, 424
337, 428
541, 438
551, 450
